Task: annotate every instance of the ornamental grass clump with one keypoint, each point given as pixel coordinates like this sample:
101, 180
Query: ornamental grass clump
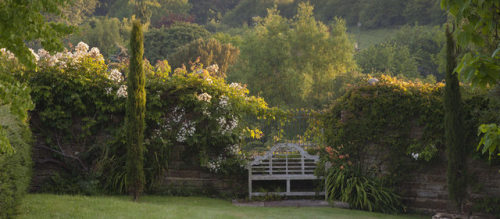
361, 191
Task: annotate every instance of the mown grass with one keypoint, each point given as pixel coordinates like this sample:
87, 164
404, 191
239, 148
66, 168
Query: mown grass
366, 38
66, 206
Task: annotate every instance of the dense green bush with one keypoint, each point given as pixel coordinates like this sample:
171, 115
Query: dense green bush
384, 130
161, 43
79, 119
15, 139
208, 52
388, 58
403, 120
398, 123
415, 52
107, 34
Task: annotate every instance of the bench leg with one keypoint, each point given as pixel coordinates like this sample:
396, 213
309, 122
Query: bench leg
250, 183
288, 186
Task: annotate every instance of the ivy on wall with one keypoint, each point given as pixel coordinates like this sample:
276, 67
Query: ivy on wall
398, 121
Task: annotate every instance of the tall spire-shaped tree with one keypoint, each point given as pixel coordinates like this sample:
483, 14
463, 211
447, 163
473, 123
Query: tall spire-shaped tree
136, 110
454, 126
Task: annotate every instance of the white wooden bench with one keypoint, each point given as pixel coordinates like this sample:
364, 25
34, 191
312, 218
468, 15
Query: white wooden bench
287, 162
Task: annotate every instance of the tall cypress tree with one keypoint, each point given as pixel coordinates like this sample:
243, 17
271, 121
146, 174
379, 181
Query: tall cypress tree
454, 127
136, 110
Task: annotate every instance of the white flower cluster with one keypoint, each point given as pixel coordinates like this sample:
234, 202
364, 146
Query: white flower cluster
187, 130
224, 101
215, 165
81, 47
213, 68
7, 53
157, 133
206, 113
37, 58
209, 80
115, 75
178, 114
227, 125
108, 90
62, 59
122, 91
415, 155
234, 149
236, 86
204, 97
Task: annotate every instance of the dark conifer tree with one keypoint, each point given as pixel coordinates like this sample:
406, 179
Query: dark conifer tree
136, 110
454, 127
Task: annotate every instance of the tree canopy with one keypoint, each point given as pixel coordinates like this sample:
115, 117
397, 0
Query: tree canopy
288, 61
24, 21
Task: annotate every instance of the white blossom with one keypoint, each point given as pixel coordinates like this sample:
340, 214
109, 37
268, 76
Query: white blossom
227, 125
223, 101
82, 47
234, 149
204, 97
122, 91
42, 53
7, 53
415, 155
206, 113
187, 130
35, 55
108, 90
215, 165
213, 68
178, 114
236, 86
115, 75
209, 80
96, 54
52, 60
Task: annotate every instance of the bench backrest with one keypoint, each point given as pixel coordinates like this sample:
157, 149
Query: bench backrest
284, 159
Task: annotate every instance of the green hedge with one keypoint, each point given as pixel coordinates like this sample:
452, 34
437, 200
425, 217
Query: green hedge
15, 142
15, 174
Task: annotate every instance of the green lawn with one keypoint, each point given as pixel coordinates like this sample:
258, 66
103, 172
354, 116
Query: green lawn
366, 38
66, 206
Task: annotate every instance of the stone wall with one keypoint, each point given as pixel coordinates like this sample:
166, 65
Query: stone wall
426, 190
186, 177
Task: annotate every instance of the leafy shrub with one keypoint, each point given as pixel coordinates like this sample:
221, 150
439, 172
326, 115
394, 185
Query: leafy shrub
388, 58
79, 118
402, 119
208, 52
361, 191
107, 34
15, 139
160, 43
388, 129
489, 205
